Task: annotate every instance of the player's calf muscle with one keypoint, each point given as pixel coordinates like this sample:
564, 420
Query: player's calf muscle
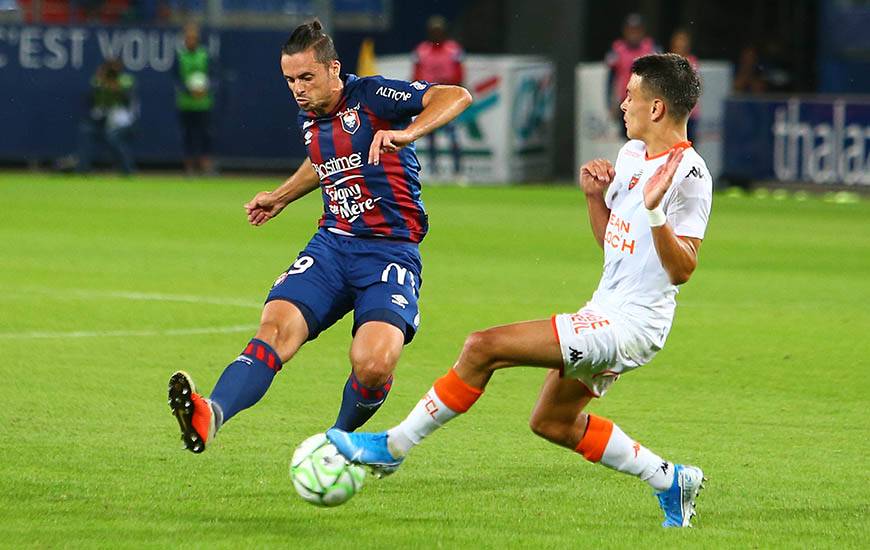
565, 434
283, 328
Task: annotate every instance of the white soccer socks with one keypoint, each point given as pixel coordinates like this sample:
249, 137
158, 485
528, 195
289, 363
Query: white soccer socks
606, 443
449, 397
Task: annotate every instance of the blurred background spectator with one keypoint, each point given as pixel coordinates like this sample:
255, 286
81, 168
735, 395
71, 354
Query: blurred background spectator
112, 113
194, 100
633, 44
438, 60
748, 75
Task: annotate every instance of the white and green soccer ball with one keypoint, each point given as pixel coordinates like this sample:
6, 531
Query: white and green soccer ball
197, 82
321, 475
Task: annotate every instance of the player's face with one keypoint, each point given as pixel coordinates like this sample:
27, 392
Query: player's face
637, 108
315, 86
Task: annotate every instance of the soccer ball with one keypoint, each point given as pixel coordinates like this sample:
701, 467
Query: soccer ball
197, 82
321, 475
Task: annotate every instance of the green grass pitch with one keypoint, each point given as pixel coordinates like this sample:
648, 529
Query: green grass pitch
108, 285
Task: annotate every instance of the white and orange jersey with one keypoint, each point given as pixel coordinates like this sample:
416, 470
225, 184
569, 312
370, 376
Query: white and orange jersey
634, 284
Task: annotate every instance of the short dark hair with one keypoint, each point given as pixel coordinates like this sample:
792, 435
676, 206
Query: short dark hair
672, 78
311, 35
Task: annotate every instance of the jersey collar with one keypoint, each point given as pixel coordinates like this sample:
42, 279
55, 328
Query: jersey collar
681, 145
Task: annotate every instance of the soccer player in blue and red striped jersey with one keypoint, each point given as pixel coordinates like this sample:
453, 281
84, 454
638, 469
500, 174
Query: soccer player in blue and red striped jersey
359, 134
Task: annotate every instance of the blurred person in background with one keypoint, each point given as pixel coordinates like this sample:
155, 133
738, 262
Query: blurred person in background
438, 60
748, 75
112, 112
761, 70
194, 100
681, 44
633, 44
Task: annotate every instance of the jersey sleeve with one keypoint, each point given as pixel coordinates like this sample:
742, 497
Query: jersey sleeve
688, 209
394, 99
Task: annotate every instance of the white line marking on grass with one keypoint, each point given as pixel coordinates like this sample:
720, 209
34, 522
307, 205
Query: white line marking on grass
145, 296
126, 333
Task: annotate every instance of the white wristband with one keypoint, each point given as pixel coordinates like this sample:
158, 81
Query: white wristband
657, 217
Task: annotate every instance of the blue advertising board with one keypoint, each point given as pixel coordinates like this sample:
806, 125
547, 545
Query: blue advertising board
44, 81
807, 139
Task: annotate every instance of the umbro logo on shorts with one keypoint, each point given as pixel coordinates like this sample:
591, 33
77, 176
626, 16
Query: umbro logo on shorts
399, 300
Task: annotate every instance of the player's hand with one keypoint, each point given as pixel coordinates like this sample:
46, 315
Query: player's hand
388, 141
263, 207
659, 183
596, 175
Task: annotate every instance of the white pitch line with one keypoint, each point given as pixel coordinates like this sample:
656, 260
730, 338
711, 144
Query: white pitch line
127, 333
145, 296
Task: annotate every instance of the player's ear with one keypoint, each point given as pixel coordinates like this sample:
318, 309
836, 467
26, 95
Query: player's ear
657, 110
335, 68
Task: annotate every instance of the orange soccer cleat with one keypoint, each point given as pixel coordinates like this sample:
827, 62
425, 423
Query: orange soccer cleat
193, 412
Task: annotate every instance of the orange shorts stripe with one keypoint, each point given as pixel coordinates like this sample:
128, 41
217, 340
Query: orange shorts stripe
455, 392
595, 439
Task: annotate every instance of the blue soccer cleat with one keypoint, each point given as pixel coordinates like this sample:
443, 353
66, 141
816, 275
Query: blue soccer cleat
369, 449
678, 502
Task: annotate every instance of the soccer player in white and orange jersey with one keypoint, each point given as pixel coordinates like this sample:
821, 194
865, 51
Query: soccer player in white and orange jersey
649, 214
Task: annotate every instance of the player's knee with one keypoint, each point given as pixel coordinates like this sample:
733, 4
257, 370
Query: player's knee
269, 332
478, 350
372, 369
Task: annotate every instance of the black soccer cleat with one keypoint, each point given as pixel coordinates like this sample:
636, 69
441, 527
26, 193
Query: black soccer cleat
193, 412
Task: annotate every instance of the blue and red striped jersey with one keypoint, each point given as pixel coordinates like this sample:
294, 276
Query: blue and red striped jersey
360, 198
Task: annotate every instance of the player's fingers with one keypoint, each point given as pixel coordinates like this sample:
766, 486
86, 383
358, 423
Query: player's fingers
255, 202
600, 170
387, 145
375, 145
674, 162
375, 149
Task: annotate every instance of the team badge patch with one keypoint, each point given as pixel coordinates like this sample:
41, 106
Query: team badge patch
634, 179
350, 121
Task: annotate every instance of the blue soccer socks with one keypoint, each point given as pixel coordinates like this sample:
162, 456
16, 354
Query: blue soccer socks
245, 380
359, 403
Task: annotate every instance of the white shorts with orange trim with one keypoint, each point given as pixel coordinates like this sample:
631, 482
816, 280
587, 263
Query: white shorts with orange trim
598, 346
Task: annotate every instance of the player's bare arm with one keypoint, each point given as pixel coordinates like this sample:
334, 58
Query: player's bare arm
267, 204
595, 176
441, 104
679, 255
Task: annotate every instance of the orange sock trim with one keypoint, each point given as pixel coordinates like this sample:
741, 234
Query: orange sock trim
455, 392
595, 439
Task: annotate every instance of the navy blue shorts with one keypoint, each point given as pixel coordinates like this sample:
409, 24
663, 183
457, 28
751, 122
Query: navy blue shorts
379, 279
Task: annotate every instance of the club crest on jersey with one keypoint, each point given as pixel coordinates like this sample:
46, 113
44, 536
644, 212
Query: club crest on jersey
350, 121
634, 179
